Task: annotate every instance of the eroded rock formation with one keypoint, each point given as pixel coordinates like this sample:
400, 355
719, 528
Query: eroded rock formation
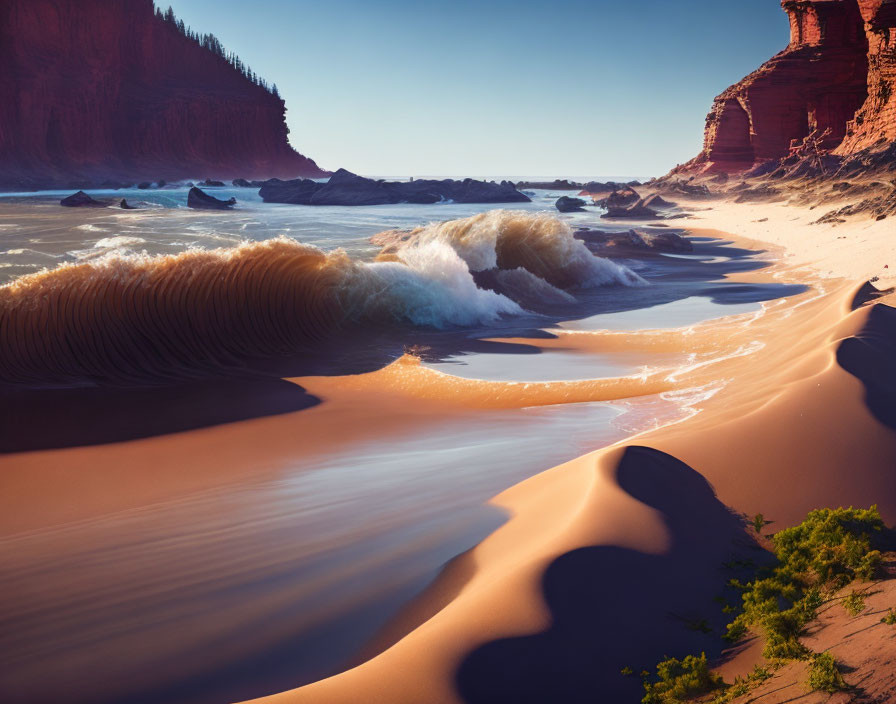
832, 86
104, 89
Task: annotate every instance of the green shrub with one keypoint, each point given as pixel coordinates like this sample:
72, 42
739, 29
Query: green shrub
679, 680
828, 550
824, 675
831, 547
854, 603
890, 618
627, 672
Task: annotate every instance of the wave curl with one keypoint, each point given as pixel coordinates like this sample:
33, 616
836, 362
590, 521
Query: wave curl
124, 318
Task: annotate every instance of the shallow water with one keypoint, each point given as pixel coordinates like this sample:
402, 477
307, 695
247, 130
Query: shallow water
281, 576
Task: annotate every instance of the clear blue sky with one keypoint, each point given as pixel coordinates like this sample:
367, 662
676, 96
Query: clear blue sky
494, 88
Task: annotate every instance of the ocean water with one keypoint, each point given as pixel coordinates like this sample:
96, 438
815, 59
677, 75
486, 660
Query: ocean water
250, 586
164, 224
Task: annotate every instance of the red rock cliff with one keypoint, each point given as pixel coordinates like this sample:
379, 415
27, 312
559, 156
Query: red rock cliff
105, 89
834, 83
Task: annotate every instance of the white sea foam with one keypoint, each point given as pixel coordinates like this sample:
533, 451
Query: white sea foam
119, 241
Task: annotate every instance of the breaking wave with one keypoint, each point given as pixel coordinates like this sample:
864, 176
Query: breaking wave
126, 318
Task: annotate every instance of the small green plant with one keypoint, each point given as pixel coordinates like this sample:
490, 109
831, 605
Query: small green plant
627, 671
824, 675
854, 603
759, 522
677, 681
890, 618
744, 685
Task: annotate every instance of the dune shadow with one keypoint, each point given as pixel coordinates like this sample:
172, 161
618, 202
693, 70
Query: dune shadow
870, 356
614, 607
55, 418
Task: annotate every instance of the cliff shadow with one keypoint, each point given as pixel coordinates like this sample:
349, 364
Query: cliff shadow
613, 607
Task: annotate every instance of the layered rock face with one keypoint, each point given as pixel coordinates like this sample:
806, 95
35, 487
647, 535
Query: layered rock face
832, 87
876, 119
104, 89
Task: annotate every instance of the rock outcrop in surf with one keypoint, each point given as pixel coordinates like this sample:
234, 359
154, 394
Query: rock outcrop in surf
346, 188
199, 199
832, 89
95, 90
81, 200
565, 204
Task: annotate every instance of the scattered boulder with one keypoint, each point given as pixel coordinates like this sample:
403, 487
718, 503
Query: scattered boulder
127, 206
210, 183
81, 200
161, 183
638, 210
619, 198
243, 183
203, 201
143, 185
565, 204
346, 188
631, 241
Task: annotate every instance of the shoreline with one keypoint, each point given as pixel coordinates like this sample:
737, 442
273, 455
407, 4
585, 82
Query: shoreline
792, 416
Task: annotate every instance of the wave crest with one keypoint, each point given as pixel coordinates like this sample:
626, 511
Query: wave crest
125, 318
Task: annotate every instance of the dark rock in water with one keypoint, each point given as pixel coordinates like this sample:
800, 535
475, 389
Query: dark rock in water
161, 183
126, 206
81, 200
637, 210
203, 201
624, 243
346, 188
210, 183
558, 185
295, 192
243, 183
565, 204
143, 185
